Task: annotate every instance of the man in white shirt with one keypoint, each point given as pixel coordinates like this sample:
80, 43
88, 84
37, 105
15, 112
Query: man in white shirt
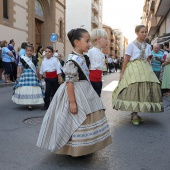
115, 64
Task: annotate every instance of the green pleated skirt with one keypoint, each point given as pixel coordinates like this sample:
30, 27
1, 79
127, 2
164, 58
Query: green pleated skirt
139, 90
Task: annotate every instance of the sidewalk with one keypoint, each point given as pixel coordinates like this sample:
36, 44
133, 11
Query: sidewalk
3, 84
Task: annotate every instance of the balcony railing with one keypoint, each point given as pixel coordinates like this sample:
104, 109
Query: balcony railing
95, 7
95, 20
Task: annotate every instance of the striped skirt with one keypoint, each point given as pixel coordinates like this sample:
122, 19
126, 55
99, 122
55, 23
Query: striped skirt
75, 134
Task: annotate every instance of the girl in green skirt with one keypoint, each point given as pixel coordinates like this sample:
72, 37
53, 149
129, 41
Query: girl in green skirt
138, 89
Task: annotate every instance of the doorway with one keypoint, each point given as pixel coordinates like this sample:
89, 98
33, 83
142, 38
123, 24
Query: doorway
38, 25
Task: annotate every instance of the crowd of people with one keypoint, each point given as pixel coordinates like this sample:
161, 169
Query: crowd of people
75, 123
161, 66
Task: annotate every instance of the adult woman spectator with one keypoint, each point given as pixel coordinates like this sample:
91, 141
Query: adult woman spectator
166, 78
1, 65
157, 60
39, 55
7, 57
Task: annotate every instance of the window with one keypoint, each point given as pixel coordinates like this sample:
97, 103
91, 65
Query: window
38, 8
61, 30
5, 9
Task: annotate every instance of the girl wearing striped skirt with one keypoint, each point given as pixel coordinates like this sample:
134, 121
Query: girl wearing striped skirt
75, 123
138, 89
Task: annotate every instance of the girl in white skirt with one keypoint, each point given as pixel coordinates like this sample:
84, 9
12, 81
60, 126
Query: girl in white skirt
75, 123
28, 89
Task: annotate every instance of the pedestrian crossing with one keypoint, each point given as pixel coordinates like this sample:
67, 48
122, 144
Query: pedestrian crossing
111, 86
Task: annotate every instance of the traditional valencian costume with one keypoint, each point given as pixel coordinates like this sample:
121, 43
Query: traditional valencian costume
28, 90
139, 90
75, 134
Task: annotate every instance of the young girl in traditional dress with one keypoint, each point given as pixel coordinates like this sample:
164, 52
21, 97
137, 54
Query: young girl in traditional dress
138, 89
28, 88
75, 123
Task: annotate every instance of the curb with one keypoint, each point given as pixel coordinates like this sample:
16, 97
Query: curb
6, 84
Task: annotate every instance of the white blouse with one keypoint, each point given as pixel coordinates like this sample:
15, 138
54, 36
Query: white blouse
50, 65
97, 59
133, 51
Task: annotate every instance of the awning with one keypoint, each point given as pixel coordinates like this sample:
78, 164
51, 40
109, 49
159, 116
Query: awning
164, 38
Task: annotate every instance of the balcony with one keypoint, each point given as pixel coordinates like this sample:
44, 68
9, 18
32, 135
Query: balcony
111, 48
95, 7
162, 7
152, 26
112, 53
95, 21
112, 45
151, 4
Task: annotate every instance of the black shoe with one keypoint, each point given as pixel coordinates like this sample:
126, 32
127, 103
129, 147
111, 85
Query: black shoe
44, 107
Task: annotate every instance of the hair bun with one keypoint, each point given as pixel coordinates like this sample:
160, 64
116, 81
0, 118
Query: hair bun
70, 34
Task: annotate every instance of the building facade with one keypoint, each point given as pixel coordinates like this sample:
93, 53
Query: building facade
125, 44
156, 17
117, 43
86, 14
122, 43
110, 49
33, 21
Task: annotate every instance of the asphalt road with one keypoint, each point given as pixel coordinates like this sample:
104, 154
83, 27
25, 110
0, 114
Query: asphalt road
144, 147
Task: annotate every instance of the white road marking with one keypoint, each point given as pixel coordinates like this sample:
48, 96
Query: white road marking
111, 86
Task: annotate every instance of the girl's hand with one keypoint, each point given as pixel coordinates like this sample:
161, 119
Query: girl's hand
73, 107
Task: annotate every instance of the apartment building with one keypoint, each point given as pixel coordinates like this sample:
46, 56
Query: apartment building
82, 14
110, 49
33, 21
156, 17
125, 44
122, 43
117, 43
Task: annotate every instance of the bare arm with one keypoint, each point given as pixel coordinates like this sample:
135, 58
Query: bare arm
38, 74
59, 79
149, 59
125, 62
10, 54
19, 71
71, 98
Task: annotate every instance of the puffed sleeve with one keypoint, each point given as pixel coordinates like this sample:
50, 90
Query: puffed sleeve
71, 72
20, 64
129, 49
